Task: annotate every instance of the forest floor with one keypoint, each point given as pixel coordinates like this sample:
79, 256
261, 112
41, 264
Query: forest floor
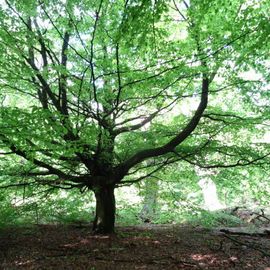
137, 247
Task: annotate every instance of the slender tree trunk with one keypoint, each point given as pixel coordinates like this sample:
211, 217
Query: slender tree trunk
148, 211
105, 210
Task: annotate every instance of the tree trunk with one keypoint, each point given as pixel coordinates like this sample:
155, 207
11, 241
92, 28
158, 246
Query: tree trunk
105, 210
148, 211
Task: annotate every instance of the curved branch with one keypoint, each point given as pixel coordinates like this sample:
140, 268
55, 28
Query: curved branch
137, 126
238, 163
35, 161
178, 139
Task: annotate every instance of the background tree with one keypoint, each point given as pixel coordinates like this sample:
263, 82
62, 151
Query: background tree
94, 92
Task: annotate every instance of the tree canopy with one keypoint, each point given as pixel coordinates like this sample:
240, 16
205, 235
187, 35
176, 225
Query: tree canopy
100, 94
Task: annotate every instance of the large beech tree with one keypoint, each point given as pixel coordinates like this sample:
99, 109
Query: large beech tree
102, 93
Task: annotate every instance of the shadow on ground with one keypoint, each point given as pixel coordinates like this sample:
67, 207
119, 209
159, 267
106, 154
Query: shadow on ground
139, 247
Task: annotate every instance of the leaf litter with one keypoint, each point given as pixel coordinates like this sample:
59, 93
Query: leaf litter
135, 247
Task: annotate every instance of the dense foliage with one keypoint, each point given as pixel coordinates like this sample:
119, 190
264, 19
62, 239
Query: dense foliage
96, 95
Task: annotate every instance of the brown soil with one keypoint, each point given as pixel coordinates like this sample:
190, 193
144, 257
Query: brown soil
139, 247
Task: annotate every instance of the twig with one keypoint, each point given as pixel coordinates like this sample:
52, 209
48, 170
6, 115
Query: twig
248, 245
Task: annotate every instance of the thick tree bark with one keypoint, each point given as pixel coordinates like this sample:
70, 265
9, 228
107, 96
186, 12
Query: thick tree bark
105, 210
